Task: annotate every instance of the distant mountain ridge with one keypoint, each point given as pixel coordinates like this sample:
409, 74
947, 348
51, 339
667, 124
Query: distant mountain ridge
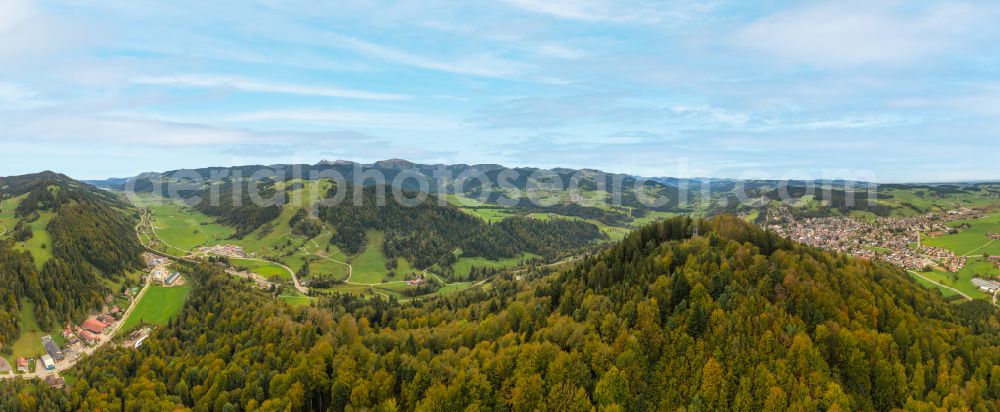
612, 198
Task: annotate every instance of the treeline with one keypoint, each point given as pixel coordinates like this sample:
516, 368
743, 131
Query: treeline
302, 225
734, 319
235, 205
512, 236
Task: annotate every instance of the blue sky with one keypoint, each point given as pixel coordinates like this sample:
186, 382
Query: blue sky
875, 90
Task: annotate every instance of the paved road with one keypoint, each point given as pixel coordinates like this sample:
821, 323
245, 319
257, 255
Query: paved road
295, 279
105, 338
943, 286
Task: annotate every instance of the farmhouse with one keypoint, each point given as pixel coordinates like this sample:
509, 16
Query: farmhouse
55, 381
52, 349
988, 286
22, 365
88, 338
95, 325
48, 363
419, 280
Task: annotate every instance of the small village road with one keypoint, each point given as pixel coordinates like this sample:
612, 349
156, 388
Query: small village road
943, 286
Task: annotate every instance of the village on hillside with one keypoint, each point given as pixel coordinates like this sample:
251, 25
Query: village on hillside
896, 240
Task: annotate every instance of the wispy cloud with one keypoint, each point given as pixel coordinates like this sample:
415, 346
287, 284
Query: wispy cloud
240, 83
14, 96
613, 11
479, 64
347, 118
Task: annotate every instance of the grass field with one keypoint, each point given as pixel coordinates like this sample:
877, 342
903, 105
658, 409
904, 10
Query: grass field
369, 265
263, 268
924, 201
489, 214
7, 218
157, 306
465, 264
294, 298
40, 244
318, 265
974, 267
944, 292
181, 227
29, 343
454, 287
972, 241
651, 217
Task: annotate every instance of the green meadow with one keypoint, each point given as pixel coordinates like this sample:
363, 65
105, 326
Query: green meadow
975, 266
29, 343
972, 241
464, 264
157, 306
369, 265
180, 227
263, 268
40, 244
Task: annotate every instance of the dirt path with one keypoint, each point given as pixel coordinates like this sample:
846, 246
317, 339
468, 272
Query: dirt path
974, 250
943, 286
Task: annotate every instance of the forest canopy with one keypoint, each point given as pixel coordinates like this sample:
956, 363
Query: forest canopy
732, 319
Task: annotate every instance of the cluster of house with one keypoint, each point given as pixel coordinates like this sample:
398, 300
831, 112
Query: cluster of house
223, 250
887, 239
995, 260
417, 281
153, 260
91, 330
993, 236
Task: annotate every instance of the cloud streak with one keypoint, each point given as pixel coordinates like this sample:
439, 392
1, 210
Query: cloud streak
252, 85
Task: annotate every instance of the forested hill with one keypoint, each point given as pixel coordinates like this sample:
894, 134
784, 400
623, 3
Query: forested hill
60, 237
732, 319
428, 233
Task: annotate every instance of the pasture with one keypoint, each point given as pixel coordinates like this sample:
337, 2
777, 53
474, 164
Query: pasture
974, 267
464, 264
29, 343
40, 244
369, 265
261, 267
183, 228
972, 241
157, 306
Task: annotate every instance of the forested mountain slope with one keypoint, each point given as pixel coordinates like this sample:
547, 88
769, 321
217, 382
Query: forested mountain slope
427, 233
733, 319
66, 237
